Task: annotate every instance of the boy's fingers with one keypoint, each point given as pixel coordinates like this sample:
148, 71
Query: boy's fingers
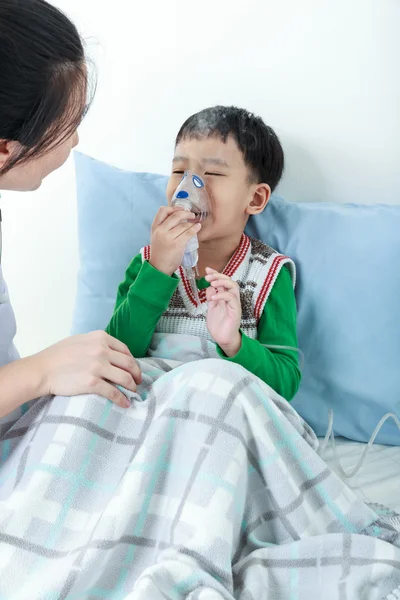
164, 212
226, 283
222, 285
186, 230
176, 218
211, 276
227, 297
209, 293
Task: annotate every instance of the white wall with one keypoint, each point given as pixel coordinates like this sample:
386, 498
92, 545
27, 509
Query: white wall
324, 73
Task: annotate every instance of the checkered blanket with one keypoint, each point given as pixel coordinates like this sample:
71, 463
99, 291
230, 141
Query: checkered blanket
209, 487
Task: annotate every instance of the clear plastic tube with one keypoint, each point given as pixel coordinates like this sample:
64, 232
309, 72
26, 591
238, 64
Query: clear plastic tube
330, 434
191, 276
291, 348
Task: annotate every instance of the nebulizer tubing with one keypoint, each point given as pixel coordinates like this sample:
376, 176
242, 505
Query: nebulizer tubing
330, 433
290, 348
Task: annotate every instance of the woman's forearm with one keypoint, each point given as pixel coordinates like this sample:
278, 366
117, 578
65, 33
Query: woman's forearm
20, 382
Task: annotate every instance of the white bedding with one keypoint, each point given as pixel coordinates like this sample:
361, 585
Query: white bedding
379, 478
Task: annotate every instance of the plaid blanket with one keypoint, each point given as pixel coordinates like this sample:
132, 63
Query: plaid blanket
208, 487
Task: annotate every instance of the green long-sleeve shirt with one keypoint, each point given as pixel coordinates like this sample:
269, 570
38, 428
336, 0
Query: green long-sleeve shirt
146, 293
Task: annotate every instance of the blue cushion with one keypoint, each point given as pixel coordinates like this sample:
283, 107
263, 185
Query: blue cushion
348, 297
115, 212
348, 291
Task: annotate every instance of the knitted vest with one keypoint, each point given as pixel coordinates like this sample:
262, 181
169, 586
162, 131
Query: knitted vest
254, 266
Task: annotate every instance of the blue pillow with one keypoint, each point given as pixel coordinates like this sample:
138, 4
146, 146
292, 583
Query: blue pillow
348, 296
115, 212
348, 292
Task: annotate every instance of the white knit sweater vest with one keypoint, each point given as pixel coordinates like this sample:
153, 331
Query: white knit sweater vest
254, 266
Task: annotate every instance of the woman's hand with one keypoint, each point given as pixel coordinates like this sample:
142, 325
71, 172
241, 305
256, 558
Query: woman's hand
171, 230
224, 312
87, 364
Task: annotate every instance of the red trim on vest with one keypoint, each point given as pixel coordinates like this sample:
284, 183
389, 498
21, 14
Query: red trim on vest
238, 256
146, 252
267, 285
188, 287
202, 295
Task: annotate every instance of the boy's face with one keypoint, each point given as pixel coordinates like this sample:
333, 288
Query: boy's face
233, 198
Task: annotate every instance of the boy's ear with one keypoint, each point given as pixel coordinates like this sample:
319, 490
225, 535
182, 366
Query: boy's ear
261, 196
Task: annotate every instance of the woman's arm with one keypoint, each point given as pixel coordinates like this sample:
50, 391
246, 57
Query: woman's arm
82, 364
19, 383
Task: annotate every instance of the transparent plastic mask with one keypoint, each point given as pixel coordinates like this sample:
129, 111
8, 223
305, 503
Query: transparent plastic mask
191, 194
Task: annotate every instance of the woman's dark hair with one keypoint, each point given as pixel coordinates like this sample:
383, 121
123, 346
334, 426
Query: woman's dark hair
43, 78
260, 146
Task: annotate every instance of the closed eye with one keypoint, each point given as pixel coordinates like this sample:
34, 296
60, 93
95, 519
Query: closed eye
216, 174
178, 172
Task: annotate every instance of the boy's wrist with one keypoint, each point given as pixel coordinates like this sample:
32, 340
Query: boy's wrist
161, 268
231, 349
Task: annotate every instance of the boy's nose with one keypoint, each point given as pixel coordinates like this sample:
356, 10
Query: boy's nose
196, 167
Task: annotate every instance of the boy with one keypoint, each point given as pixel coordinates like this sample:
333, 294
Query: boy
246, 287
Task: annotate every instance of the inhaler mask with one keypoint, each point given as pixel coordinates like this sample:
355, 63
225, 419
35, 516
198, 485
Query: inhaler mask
191, 194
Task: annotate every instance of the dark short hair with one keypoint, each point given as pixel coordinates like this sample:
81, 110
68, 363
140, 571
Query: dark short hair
43, 77
260, 146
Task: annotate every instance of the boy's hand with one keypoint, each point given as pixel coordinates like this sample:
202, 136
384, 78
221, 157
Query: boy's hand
171, 230
224, 312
